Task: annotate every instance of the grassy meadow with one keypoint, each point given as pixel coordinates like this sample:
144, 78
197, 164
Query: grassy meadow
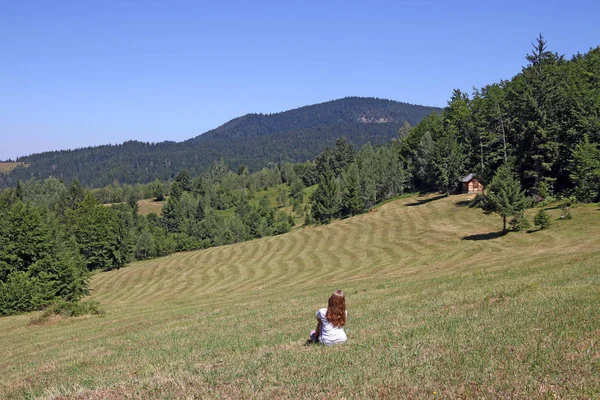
6, 167
439, 306
147, 206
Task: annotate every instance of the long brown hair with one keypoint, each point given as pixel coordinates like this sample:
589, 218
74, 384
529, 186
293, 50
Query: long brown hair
336, 309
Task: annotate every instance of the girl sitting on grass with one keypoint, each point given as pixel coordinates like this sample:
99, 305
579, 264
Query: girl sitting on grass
331, 321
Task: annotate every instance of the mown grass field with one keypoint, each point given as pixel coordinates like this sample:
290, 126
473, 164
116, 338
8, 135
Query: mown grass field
439, 306
147, 206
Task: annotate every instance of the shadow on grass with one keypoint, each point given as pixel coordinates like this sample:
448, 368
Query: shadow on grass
464, 203
425, 201
309, 342
533, 230
485, 236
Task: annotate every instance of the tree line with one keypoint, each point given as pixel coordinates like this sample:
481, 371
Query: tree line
529, 138
253, 140
544, 123
54, 235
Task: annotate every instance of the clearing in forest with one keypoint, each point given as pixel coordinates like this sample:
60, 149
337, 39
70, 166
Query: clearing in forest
6, 167
439, 304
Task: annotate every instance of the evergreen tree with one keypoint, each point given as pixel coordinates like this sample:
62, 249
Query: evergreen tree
171, 215
19, 190
449, 163
242, 170
145, 248
536, 92
38, 261
341, 156
326, 200
404, 130
282, 196
158, 190
72, 197
352, 198
184, 181
368, 170
585, 171
200, 209
392, 177
325, 161
423, 163
132, 200
176, 191
218, 170
504, 196
542, 219
238, 229
26, 238
95, 229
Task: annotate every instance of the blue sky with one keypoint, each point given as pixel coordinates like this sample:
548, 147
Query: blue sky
81, 73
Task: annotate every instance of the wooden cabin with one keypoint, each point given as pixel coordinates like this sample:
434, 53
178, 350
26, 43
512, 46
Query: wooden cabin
472, 184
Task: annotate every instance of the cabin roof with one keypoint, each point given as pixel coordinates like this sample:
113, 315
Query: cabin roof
469, 178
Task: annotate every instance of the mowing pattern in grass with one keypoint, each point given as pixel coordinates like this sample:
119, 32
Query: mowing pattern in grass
433, 307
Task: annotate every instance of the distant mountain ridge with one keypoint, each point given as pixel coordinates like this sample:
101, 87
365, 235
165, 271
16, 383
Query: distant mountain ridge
353, 110
254, 140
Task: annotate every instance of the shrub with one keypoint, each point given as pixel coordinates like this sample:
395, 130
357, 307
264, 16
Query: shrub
20, 293
565, 207
542, 219
546, 200
68, 309
519, 222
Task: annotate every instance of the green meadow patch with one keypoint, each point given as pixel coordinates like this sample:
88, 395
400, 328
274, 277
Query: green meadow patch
439, 306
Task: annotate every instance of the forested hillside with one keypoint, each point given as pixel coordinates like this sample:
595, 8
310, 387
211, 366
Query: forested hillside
253, 140
544, 123
531, 140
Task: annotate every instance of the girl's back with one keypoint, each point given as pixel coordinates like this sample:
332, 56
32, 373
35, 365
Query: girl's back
330, 334
330, 328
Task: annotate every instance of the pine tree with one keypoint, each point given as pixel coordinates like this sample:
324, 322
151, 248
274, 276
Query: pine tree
404, 130
132, 200
171, 215
585, 171
158, 190
176, 191
368, 170
343, 155
449, 163
352, 199
95, 229
39, 261
542, 219
537, 96
74, 196
282, 196
423, 162
145, 247
326, 200
504, 196
184, 181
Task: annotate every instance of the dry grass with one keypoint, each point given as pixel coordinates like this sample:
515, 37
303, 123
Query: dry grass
436, 304
6, 167
147, 206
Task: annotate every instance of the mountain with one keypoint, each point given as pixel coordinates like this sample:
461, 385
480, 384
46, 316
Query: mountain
254, 140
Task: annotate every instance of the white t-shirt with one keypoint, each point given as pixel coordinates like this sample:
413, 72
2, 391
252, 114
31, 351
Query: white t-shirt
329, 333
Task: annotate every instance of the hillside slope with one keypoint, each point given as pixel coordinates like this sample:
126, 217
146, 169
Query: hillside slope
439, 304
254, 140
